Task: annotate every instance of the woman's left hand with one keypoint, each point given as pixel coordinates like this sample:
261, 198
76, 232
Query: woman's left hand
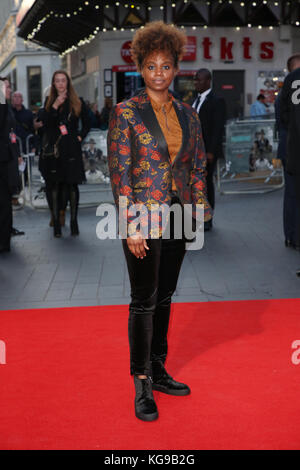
79, 138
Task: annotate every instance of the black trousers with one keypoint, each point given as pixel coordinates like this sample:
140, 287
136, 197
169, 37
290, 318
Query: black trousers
5, 207
296, 181
153, 281
291, 216
210, 168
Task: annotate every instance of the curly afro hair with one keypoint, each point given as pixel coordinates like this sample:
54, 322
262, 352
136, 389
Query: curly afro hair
157, 36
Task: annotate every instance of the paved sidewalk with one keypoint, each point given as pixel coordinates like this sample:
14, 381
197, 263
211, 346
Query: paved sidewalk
244, 257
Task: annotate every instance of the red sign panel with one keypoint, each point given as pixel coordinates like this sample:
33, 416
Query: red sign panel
126, 52
187, 73
123, 68
190, 49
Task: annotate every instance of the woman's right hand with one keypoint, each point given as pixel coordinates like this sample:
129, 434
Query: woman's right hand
59, 100
137, 245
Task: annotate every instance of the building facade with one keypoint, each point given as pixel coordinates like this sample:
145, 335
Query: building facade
243, 62
29, 66
245, 44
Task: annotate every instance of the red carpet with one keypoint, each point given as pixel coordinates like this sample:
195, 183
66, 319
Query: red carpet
66, 382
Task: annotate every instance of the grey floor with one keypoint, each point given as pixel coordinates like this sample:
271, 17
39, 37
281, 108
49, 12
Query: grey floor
244, 257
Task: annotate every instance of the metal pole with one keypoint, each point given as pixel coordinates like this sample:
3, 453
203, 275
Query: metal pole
28, 155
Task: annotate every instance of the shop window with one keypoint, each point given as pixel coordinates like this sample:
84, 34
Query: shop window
34, 83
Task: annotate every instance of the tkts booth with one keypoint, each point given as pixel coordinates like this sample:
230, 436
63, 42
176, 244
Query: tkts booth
244, 43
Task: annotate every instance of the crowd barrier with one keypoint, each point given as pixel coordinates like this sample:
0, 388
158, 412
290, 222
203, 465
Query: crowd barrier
95, 190
251, 164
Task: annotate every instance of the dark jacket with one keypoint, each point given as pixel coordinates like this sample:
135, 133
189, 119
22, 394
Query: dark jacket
212, 115
139, 161
9, 152
24, 119
282, 131
68, 167
290, 117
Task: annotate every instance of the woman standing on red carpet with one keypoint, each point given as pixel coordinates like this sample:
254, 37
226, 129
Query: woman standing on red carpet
156, 156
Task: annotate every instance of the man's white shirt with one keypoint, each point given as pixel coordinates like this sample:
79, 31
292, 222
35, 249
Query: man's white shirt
203, 97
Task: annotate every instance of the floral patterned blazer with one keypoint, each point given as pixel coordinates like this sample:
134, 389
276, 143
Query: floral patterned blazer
139, 161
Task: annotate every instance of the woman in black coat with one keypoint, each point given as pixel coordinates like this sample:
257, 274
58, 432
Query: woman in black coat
9, 172
66, 124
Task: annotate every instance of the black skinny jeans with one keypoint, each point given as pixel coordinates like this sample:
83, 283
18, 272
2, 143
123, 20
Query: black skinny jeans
153, 281
5, 207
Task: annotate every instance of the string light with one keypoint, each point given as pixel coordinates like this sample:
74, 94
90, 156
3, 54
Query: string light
38, 27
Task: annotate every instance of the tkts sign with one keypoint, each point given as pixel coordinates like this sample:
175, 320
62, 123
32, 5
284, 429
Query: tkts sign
226, 49
266, 49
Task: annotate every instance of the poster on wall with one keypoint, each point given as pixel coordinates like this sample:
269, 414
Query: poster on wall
268, 84
250, 146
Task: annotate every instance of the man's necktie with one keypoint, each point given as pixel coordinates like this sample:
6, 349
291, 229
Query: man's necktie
196, 104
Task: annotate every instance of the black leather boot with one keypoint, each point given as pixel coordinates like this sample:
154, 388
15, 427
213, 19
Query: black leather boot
163, 382
56, 229
74, 199
74, 228
145, 406
55, 212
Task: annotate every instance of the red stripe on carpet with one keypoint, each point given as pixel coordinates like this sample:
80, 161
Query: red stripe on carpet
66, 382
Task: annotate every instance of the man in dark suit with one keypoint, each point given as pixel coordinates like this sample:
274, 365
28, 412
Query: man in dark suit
212, 113
289, 199
290, 117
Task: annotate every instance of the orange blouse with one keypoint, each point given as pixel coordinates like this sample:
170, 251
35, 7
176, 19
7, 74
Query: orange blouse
168, 121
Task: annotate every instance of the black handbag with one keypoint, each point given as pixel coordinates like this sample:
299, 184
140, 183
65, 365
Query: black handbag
51, 150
